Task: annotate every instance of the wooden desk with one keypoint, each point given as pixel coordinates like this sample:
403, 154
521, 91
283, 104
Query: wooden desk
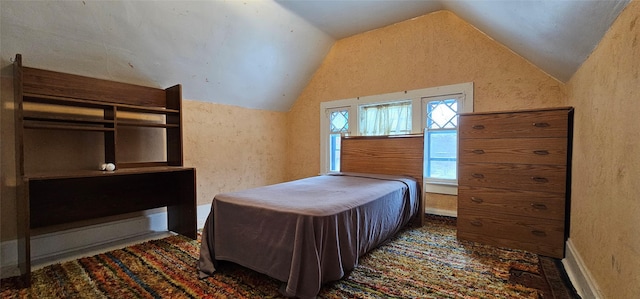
80, 195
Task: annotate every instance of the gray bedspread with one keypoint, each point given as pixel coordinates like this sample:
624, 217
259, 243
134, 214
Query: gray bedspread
306, 232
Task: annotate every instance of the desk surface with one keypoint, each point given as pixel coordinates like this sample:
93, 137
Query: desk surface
69, 174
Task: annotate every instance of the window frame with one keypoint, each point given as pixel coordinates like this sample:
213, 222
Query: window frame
325, 132
418, 120
328, 112
439, 185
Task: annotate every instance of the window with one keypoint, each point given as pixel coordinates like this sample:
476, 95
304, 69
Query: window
441, 138
432, 111
339, 124
385, 119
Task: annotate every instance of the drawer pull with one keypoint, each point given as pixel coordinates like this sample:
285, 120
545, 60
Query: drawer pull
540, 179
477, 175
541, 125
478, 151
476, 223
539, 206
476, 200
541, 152
539, 233
478, 127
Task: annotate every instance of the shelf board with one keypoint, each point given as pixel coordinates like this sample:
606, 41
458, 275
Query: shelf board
156, 110
69, 174
149, 125
45, 99
28, 125
69, 119
56, 100
137, 165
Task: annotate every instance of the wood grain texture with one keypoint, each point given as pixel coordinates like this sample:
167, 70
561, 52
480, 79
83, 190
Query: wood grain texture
174, 134
44, 82
549, 151
540, 236
66, 196
540, 204
395, 155
521, 124
514, 178
548, 178
22, 193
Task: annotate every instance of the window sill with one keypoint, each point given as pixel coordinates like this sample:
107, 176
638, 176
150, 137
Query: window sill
441, 188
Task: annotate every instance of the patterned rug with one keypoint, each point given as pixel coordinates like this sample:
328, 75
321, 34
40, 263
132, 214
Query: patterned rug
426, 262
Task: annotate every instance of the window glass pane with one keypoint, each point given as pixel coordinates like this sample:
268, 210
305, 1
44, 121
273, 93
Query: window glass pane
442, 154
339, 121
443, 144
442, 114
442, 170
385, 119
334, 152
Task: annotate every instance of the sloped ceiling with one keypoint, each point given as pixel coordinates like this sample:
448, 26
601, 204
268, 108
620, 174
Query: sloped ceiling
261, 54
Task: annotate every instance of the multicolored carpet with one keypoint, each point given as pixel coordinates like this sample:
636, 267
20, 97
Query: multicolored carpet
427, 262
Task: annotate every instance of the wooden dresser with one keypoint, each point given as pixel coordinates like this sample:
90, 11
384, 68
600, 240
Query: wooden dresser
514, 177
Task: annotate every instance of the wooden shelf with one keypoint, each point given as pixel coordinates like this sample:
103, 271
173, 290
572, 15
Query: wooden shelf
130, 108
77, 103
55, 122
65, 122
28, 125
68, 174
69, 119
143, 124
55, 100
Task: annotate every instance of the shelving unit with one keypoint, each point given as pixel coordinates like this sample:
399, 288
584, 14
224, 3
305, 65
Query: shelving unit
48, 100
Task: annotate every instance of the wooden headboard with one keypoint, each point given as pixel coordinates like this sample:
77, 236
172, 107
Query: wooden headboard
397, 155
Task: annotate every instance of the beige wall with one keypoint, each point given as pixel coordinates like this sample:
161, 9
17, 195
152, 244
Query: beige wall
432, 50
233, 148
605, 212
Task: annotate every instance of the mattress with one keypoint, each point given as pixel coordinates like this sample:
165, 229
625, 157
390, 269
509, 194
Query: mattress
306, 232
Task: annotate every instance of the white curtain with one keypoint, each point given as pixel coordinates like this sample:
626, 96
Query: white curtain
385, 119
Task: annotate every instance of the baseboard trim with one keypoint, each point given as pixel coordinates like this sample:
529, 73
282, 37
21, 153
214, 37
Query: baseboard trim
62, 242
442, 212
579, 274
203, 212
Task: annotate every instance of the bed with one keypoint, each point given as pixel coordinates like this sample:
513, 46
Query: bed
312, 231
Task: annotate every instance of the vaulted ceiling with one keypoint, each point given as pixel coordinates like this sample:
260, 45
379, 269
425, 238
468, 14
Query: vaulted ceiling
261, 54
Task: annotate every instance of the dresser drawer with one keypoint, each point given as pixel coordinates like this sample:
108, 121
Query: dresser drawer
533, 204
544, 237
551, 123
551, 151
548, 178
